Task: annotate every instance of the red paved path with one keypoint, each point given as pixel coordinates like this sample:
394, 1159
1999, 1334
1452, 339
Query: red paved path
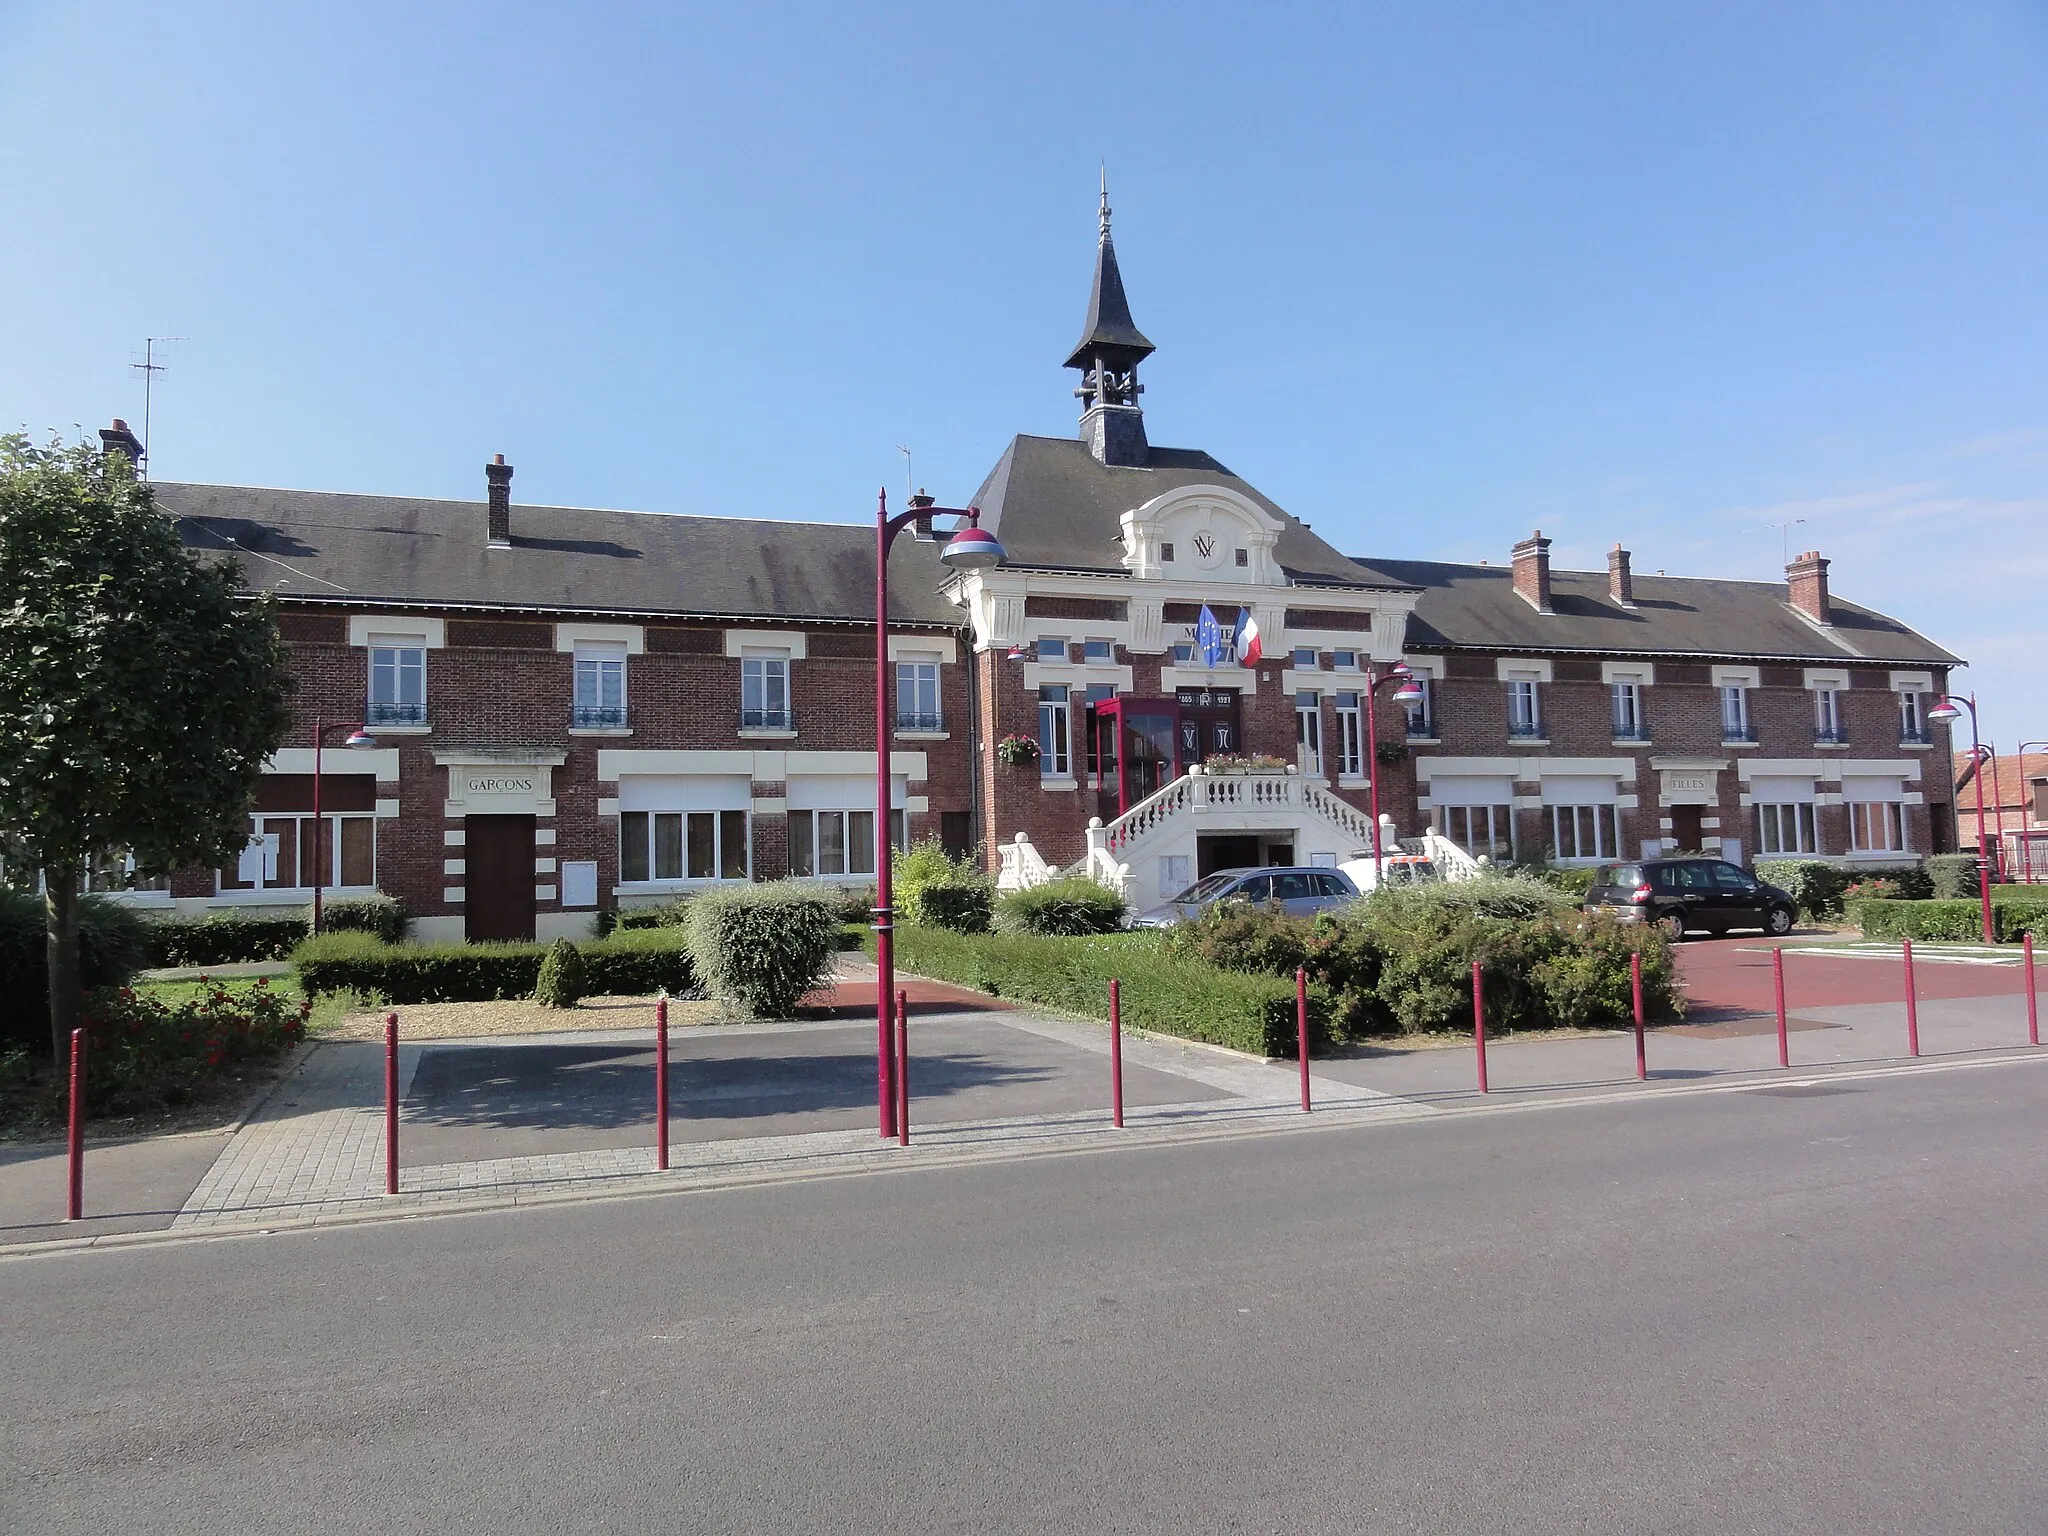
1734, 974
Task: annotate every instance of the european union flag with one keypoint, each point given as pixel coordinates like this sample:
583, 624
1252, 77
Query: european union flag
1209, 639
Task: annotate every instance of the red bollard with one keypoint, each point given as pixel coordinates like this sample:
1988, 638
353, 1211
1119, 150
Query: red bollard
1479, 1021
1778, 981
74, 1198
390, 1103
1912, 1003
902, 1069
1635, 981
1301, 1029
661, 1083
2033, 1007
1116, 1055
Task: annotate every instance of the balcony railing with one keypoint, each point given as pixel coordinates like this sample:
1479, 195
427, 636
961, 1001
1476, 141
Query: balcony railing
1920, 738
783, 719
1743, 732
1423, 726
375, 713
1636, 732
919, 720
597, 717
1830, 735
1525, 730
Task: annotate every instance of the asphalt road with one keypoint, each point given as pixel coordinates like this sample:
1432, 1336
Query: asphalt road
1813, 1309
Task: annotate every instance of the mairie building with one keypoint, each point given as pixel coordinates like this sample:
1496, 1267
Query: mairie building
578, 709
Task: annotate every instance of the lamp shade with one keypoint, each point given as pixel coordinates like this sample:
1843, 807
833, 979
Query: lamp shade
1944, 709
1016, 653
359, 738
1410, 692
972, 549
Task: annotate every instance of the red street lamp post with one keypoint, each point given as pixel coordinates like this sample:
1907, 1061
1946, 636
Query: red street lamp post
1946, 709
969, 549
1408, 693
357, 738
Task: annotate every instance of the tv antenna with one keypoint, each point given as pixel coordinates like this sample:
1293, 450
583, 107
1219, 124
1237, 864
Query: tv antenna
1784, 537
149, 368
904, 449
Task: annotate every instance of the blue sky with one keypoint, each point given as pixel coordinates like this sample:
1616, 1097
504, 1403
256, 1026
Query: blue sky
1429, 275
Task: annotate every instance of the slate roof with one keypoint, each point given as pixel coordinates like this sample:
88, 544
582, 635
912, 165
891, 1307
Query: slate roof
1109, 328
326, 546
1476, 607
1055, 507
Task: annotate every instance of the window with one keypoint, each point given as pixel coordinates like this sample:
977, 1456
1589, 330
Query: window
917, 694
1912, 725
1350, 737
1628, 712
1098, 651
1584, 831
683, 845
599, 699
1308, 731
283, 853
1054, 760
1052, 647
1304, 660
1344, 661
398, 681
1827, 716
1422, 713
1785, 829
1166, 554
1095, 693
1244, 558
1184, 652
1524, 716
827, 843
1877, 826
1481, 830
764, 691
1735, 713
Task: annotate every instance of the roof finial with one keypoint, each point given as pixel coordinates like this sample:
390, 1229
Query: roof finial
1105, 201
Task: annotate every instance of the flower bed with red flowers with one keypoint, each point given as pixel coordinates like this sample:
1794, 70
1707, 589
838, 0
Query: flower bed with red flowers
143, 1053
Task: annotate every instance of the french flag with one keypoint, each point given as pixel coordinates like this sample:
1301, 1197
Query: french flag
1248, 650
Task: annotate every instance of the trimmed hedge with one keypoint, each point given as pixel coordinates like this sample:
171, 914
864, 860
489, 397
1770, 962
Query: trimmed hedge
1813, 884
385, 916
1069, 907
764, 946
1952, 876
1165, 995
226, 938
628, 964
112, 946
1956, 920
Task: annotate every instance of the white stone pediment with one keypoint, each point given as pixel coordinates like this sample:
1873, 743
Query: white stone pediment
1205, 533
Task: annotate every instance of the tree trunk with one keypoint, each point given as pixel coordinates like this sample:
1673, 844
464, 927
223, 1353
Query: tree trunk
60, 949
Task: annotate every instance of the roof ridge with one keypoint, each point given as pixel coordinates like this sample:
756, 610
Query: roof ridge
531, 506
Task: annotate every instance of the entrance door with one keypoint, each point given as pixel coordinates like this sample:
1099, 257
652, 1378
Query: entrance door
1208, 723
498, 858
1685, 827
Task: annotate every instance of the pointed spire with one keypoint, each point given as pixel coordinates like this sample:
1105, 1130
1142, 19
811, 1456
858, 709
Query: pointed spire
1109, 332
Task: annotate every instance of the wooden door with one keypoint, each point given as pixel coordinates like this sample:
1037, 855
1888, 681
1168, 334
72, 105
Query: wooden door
1685, 828
498, 858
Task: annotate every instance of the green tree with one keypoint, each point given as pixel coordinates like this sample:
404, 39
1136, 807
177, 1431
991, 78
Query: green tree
140, 690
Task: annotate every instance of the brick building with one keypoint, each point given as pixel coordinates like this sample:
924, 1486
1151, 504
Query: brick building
576, 709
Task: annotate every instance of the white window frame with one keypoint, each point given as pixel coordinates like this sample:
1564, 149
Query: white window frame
917, 692
394, 661
764, 690
822, 841
1594, 826
1305, 659
1055, 732
1912, 722
647, 828
1627, 708
1422, 713
597, 690
1058, 657
1350, 736
1787, 829
1308, 732
1343, 661
1827, 714
1096, 651
1734, 712
257, 864
1525, 707
1878, 826
1460, 823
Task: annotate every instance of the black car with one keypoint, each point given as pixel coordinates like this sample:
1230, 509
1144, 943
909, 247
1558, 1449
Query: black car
1690, 896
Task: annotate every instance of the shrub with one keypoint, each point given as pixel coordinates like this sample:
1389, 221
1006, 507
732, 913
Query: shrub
225, 938
1957, 921
1573, 880
1952, 876
144, 1054
935, 890
1069, 907
561, 981
669, 914
383, 915
112, 946
1813, 884
1162, 993
764, 946
625, 964
1874, 889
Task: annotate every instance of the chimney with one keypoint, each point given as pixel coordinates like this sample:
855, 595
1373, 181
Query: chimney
921, 524
1532, 571
499, 474
1806, 582
118, 439
1620, 585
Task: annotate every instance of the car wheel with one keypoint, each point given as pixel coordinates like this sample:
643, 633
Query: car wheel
1673, 924
1778, 922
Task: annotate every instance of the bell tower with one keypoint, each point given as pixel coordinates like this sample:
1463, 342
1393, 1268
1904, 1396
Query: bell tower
1110, 349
